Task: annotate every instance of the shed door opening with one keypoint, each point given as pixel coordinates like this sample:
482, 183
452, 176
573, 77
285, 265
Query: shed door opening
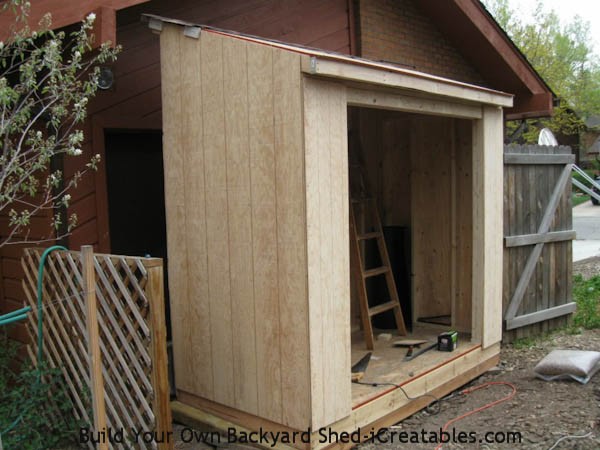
418, 172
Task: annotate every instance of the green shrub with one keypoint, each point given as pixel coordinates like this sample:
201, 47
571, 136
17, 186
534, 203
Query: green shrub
35, 410
586, 294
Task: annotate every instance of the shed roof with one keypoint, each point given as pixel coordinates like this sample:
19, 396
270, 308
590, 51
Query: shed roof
354, 69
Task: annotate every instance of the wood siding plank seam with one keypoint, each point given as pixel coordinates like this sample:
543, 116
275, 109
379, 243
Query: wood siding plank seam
329, 367
231, 308
266, 283
223, 118
251, 222
275, 171
217, 290
206, 237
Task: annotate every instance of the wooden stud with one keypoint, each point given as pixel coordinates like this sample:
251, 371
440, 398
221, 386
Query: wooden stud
407, 103
160, 376
461, 316
96, 382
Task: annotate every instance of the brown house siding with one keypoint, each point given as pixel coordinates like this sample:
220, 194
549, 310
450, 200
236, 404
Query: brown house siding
397, 31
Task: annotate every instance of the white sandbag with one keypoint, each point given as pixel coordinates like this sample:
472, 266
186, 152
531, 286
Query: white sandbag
579, 365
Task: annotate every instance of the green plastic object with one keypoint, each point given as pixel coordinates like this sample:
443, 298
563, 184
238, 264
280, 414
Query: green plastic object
40, 283
14, 316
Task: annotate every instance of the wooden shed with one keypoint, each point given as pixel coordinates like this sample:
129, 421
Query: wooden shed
256, 143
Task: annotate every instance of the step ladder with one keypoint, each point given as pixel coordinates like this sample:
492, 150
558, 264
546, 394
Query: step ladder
364, 214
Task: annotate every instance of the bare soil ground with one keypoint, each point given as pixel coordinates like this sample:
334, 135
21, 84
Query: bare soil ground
541, 411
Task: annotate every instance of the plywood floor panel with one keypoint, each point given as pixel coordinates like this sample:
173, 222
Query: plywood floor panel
387, 363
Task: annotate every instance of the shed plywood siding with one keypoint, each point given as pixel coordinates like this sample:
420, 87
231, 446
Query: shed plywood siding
325, 131
234, 171
431, 200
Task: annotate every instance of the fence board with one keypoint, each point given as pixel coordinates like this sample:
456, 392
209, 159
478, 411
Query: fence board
131, 340
538, 238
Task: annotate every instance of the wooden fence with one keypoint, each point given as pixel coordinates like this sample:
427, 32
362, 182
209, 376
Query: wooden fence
537, 244
131, 341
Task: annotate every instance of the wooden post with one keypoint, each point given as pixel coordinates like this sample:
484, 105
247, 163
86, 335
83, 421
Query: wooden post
160, 378
96, 381
487, 227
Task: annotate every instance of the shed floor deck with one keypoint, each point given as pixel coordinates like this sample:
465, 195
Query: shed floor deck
387, 363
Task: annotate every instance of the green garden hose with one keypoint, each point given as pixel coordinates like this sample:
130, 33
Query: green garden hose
40, 283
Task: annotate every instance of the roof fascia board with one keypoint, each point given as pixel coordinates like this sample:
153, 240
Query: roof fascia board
371, 73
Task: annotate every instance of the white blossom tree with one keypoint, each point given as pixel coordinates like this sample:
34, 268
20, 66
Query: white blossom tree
46, 81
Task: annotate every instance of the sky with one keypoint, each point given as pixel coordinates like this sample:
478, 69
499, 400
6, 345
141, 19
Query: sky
589, 10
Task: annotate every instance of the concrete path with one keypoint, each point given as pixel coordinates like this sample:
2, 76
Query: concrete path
586, 222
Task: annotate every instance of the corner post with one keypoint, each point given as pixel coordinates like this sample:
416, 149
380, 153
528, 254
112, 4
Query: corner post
488, 179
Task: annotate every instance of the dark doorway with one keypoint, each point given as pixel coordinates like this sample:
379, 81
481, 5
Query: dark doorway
136, 198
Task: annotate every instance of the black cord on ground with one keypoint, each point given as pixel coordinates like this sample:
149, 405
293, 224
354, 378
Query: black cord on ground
428, 408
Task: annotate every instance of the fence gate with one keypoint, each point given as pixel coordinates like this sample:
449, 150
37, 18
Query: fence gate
538, 234
131, 337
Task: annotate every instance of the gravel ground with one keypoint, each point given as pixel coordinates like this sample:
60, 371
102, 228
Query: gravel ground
587, 267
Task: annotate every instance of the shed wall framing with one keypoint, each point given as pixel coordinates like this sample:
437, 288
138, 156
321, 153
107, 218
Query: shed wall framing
256, 177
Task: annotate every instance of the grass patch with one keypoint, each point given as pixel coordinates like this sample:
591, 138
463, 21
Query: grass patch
525, 343
579, 199
586, 294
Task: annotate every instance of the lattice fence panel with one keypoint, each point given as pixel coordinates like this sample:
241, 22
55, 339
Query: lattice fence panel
131, 337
